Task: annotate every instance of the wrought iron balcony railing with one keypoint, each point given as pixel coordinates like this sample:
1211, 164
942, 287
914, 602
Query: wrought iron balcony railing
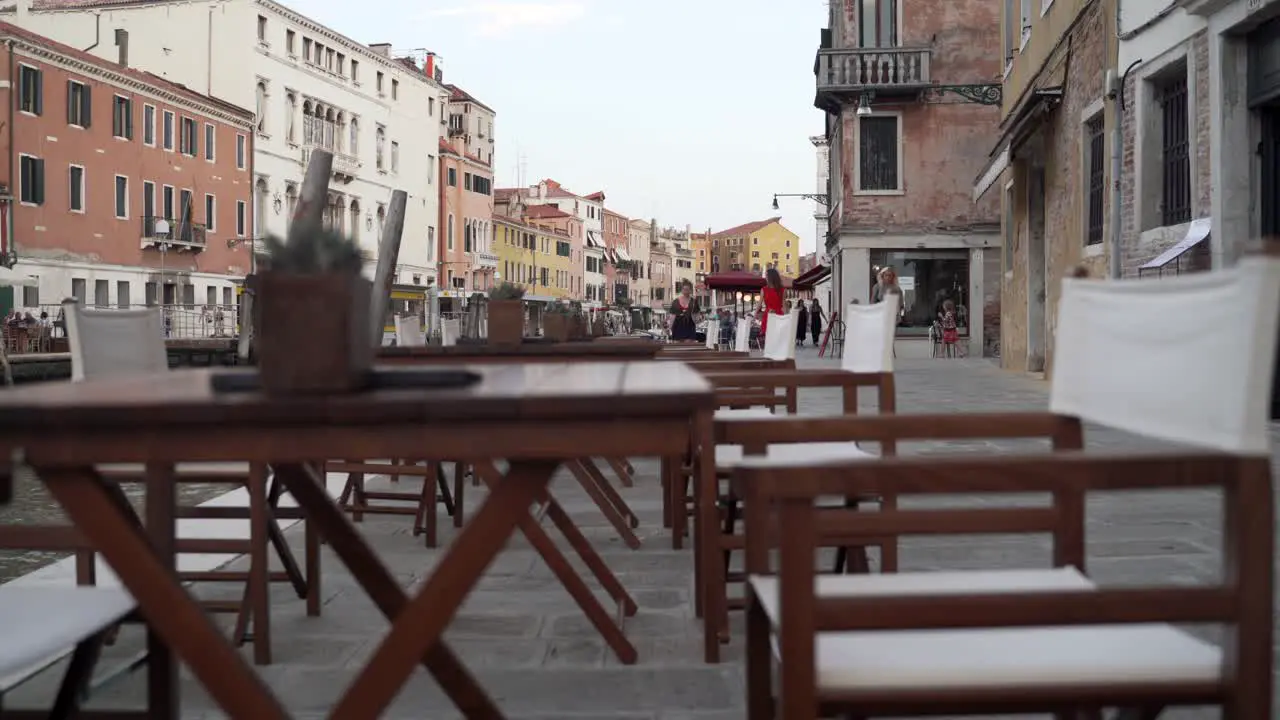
180, 232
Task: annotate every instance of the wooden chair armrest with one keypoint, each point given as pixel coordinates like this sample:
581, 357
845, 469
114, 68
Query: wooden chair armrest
797, 378
887, 428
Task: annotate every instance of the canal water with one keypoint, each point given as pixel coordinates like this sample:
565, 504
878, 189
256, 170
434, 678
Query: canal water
32, 505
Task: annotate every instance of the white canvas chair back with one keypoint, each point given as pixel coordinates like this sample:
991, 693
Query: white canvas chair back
869, 331
742, 340
780, 336
1187, 359
449, 331
409, 331
713, 334
112, 343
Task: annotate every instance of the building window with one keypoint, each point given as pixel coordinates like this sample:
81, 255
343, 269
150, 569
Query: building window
1175, 156
79, 104
261, 107
378, 85
482, 185
395, 89
122, 117
241, 217
122, 294
30, 90
431, 169
148, 203
466, 181
291, 43
122, 197
262, 29
355, 71
1095, 146
453, 177
210, 213
189, 142
167, 130
75, 188
878, 156
149, 125
878, 23
450, 235
31, 180
209, 139
379, 143
241, 151
395, 157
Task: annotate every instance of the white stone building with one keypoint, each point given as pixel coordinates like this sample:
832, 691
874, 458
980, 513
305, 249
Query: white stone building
639, 235
823, 189
311, 87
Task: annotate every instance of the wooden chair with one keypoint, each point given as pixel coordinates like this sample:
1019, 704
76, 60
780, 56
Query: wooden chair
116, 343
1005, 641
409, 331
867, 362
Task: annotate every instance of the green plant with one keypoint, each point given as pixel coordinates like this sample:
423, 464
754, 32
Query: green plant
506, 291
327, 251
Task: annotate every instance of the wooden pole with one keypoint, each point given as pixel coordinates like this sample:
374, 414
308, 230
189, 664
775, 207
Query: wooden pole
308, 217
388, 256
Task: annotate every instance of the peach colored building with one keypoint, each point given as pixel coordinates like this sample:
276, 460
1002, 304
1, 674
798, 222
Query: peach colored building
468, 262
617, 268
126, 189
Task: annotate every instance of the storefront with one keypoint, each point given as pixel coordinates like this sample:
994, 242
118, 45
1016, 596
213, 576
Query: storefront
928, 278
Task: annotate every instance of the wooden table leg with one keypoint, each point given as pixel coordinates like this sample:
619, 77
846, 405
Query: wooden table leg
601, 498
711, 584
589, 464
170, 611
259, 585
624, 473
161, 511
564, 572
373, 576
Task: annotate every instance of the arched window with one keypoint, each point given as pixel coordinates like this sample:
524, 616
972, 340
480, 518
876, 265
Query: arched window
307, 122
291, 117
355, 218
329, 123
262, 106
355, 136
261, 197
380, 140
466, 236
382, 216
291, 196
450, 236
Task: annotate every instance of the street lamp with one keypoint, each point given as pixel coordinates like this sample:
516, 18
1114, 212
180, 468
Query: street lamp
820, 199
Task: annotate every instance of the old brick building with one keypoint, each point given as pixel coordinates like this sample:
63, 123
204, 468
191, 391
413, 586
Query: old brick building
909, 87
126, 188
1051, 170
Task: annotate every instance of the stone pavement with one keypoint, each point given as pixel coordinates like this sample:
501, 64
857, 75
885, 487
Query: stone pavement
540, 659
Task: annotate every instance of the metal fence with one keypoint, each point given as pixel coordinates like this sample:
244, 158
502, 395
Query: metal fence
36, 330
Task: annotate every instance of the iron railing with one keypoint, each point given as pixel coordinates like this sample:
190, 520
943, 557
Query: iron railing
157, 228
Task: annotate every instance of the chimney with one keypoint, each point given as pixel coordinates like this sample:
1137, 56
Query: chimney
122, 46
383, 49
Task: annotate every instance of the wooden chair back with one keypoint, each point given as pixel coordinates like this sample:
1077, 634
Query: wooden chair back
409, 331
780, 336
742, 338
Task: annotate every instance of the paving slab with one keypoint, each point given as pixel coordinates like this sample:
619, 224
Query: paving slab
541, 660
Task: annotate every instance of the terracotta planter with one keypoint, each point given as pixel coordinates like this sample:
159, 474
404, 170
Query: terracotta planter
506, 322
312, 332
557, 326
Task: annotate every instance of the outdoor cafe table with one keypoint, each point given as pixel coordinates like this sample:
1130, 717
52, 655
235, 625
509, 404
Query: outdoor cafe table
529, 351
534, 416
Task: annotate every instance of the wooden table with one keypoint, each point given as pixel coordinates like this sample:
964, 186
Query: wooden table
529, 352
532, 415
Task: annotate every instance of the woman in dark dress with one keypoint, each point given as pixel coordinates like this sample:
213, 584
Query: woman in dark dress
815, 321
802, 323
684, 315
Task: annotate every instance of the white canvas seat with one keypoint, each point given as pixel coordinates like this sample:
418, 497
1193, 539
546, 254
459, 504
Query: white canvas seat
41, 623
729, 456
450, 330
742, 339
752, 413
409, 331
712, 330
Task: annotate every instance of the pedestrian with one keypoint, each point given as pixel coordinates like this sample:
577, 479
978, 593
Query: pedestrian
771, 299
816, 319
802, 324
684, 315
950, 333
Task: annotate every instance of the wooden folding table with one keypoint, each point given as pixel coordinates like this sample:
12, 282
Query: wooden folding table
532, 415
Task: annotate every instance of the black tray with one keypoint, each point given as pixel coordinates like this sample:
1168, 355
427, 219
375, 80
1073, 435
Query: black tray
410, 378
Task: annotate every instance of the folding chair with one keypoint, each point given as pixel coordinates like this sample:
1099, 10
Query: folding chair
1052, 640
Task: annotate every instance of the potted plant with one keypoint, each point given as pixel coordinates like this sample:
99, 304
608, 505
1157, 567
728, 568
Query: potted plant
577, 321
312, 305
558, 322
506, 314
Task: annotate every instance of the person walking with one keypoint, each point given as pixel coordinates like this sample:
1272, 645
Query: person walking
816, 318
802, 323
771, 298
684, 315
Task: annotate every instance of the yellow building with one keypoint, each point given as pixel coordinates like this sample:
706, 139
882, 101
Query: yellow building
755, 247
540, 260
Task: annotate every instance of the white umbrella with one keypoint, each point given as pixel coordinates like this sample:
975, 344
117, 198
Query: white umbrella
9, 278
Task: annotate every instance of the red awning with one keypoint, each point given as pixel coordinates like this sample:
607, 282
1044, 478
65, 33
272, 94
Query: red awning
739, 280
812, 276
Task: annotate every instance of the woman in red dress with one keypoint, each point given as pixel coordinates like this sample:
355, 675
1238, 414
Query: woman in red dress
771, 297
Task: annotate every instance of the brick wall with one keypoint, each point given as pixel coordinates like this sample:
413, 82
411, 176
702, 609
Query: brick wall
1139, 246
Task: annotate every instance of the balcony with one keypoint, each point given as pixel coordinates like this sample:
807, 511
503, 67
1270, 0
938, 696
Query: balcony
170, 234
485, 260
843, 74
345, 167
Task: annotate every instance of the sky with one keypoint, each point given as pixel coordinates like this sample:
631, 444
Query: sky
691, 111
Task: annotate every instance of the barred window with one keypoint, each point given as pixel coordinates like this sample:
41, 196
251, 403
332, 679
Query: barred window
1175, 156
1096, 151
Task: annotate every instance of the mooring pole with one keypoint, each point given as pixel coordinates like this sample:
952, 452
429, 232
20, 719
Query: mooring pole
388, 255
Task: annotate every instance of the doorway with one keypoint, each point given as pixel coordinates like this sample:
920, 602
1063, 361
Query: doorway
1037, 330
1269, 206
